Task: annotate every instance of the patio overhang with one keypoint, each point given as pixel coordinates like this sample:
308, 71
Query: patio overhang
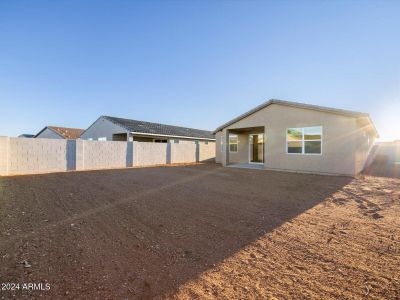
259, 129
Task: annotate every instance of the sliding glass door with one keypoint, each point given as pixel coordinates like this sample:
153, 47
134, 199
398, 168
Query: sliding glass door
256, 148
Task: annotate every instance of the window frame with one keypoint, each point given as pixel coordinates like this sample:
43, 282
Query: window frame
302, 141
237, 142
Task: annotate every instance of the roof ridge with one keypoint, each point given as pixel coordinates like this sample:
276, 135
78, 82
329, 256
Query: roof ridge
147, 122
332, 110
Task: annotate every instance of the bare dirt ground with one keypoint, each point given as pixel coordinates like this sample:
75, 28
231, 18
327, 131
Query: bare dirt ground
200, 232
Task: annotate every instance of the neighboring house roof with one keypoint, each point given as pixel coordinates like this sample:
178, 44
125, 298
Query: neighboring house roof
64, 132
343, 112
142, 127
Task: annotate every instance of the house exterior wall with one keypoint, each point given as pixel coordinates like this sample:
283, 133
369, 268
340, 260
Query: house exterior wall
102, 128
344, 148
49, 134
362, 149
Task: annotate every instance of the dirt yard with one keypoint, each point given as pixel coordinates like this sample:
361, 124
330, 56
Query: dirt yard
200, 232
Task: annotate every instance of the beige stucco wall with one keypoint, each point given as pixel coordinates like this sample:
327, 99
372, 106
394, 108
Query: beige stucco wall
343, 142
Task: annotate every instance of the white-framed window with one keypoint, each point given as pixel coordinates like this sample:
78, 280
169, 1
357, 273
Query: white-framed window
306, 140
102, 139
233, 143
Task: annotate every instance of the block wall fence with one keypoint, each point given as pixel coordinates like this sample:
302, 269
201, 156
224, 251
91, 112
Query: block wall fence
31, 156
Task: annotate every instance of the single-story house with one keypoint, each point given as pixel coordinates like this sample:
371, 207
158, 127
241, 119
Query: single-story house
54, 132
291, 136
108, 128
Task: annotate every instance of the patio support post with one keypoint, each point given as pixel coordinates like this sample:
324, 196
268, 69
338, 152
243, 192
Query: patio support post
225, 138
264, 146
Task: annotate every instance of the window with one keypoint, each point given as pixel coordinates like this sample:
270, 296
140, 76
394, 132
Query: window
307, 140
176, 141
222, 146
160, 141
102, 138
233, 143
206, 142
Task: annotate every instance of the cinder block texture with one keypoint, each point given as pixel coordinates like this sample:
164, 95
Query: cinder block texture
148, 154
104, 155
29, 156
183, 153
206, 152
4, 144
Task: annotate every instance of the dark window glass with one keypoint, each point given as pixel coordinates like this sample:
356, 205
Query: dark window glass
312, 147
294, 147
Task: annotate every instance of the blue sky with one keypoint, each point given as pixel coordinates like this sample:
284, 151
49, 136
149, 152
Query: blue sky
194, 63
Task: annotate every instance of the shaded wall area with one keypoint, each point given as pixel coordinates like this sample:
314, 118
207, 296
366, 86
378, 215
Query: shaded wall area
31, 156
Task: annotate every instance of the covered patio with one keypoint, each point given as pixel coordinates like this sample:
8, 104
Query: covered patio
245, 147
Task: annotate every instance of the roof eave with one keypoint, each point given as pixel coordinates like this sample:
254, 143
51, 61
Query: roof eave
292, 104
174, 136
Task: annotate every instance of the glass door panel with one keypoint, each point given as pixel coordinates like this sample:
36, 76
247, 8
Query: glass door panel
256, 142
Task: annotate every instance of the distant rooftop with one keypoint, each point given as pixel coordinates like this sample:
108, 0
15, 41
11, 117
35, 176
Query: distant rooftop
66, 133
161, 129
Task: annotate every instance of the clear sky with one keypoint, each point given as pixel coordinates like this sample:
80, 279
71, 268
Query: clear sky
194, 63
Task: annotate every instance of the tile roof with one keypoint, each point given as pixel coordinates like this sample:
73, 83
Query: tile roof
161, 129
66, 133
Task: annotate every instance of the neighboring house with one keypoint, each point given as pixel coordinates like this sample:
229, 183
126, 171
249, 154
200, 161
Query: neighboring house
53, 132
108, 128
291, 136
26, 136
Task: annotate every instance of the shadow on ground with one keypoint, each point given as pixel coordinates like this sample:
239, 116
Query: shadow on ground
141, 233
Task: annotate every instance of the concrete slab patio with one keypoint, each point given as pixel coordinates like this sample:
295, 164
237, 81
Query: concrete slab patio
200, 232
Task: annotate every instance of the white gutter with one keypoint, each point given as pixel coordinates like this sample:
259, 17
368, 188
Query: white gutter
173, 136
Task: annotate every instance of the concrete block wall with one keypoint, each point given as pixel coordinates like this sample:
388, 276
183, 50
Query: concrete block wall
105, 155
147, 154
183, 153
30, 156
206, 152
4, 144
